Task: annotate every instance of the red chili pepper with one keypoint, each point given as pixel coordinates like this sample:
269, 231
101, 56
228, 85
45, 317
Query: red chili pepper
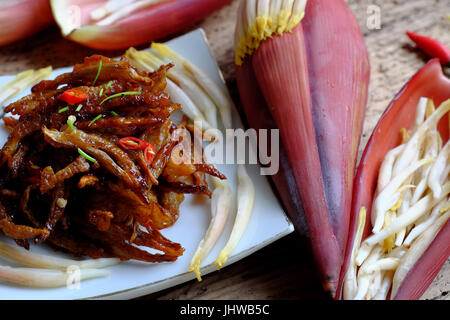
432, 47
133, 143
149, 154
73, 96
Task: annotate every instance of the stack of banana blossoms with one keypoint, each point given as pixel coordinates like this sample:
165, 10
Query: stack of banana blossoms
303, 67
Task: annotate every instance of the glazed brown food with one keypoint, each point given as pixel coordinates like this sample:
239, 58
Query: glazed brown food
68, 179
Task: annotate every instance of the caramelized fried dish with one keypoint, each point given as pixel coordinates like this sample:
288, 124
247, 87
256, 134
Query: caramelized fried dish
89, 165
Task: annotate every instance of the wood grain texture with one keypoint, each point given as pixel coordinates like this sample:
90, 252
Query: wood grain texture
283, 270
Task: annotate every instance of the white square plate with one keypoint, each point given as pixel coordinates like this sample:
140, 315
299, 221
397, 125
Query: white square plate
132, 278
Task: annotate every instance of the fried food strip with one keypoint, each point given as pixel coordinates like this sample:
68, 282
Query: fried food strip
24, 205
171, 201
180, 187
86, 72
159, 135
88, 180
76, 245
17, 160
57, 207
162, 158
96, 102
33, 103
115, 244
49, 179
125, 169
150, 238
15, 231
27, 126
147, 214
119, 122
101, 219
209, 169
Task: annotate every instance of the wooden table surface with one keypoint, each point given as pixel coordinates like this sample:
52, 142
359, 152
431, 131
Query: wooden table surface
284, 269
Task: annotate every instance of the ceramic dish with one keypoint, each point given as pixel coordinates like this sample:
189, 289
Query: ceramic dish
132, 279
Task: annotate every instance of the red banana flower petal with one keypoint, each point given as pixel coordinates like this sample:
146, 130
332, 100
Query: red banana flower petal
292, 111
339, 73
427, 82
150, 23
22, 18
258, 117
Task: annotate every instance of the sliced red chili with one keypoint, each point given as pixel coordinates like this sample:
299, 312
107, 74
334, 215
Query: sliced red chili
73, 96
133, 143
149, 154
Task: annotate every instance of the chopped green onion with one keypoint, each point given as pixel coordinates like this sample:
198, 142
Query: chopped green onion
70, 121
108, 84
101, 92
95, 119
126, 93
115, 114
98, 72
84, 154
63, 110
79, 107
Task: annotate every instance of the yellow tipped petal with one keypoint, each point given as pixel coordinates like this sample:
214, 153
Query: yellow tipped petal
262, 18
430, 108
406, 134
245, 202
298, 12
389, 243
220, 208
195, 267
402, 190
284, 15
257, 22
445, 208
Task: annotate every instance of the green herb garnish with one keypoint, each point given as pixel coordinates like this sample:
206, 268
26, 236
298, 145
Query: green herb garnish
70, 121
126, 93
101, 92
84, 154
115, 114
108, 84
79, 107
63, 110
98, 72
95, 119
